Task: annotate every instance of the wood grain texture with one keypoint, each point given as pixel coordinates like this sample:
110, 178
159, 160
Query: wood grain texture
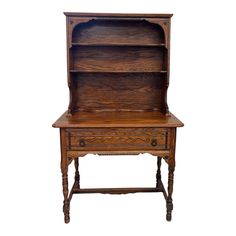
117, 32
118, 91
81, 153
118, 59
122, 44
114, 132
118, 139
117, 119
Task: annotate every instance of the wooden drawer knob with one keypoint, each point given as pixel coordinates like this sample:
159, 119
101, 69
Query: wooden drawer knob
82, 143
154, 142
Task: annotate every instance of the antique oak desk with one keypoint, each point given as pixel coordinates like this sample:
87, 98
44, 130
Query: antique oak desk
118, 75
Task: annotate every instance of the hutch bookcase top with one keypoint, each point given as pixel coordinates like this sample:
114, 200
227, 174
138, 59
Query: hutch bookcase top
118, 70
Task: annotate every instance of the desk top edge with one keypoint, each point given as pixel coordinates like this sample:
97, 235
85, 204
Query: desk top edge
115, 120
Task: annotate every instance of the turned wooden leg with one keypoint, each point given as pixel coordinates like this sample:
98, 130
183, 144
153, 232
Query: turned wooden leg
66, 203
158, 175
64, 171
77, 176
171, 169
169, 201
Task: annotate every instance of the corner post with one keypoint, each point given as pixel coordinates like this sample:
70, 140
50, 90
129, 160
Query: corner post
171, 169
64, 171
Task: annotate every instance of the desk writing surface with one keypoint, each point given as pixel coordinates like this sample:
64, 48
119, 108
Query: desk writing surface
117, 119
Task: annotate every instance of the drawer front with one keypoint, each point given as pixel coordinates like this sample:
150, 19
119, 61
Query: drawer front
118, 138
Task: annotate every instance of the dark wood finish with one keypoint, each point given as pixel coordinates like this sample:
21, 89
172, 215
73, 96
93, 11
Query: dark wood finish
117, 59
132, 49
117, 32
117, 190
158, 174
118, 138
171, 169
117, 119
64, 171
118, 91
77, 175
118, 76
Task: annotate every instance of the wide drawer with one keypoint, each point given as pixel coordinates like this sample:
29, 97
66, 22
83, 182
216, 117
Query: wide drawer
117, 138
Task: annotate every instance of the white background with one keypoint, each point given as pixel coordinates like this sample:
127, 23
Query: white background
34, 93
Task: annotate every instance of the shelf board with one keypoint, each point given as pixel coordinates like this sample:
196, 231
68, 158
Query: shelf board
119, 44
92, 71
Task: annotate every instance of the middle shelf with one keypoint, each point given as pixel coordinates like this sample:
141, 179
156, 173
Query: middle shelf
118, 59
131, 72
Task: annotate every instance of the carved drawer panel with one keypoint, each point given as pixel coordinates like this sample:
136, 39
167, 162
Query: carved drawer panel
117, 138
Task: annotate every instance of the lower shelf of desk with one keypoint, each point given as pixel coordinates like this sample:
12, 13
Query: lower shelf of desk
116, 190
76, 190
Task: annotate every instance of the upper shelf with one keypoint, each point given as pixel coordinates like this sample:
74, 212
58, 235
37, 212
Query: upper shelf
119, 44
116, 72
118, 32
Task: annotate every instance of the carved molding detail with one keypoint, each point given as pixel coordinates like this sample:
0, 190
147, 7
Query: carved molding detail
70, 159
164, 24
71, 155
72, 23
74, 154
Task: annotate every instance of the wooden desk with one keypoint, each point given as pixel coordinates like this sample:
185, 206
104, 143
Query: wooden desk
118, 75
117, 133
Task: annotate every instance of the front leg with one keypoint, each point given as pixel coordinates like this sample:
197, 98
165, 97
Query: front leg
171, 169
169, 201
64, 171
66, 202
